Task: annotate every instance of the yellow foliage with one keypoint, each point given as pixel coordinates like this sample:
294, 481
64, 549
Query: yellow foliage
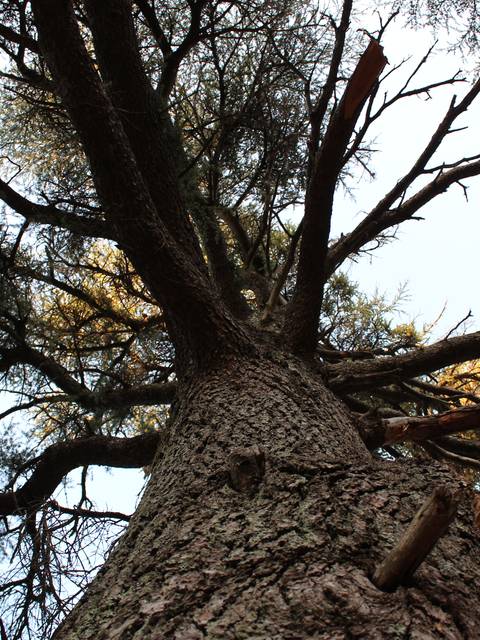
464, 376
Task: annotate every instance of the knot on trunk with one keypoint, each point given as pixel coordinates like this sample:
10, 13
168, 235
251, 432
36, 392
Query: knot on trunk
246, 468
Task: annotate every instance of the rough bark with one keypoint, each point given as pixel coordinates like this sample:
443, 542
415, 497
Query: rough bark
290, 554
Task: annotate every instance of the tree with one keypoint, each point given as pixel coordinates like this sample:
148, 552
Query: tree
159, 310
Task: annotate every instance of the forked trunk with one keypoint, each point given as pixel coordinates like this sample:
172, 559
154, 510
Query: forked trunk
265, 517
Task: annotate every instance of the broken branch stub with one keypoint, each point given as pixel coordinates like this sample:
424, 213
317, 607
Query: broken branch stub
429, 524
366, 74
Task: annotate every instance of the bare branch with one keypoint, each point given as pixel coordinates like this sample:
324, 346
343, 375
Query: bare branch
428, 525
87, 513
149, 394
354, 376
48, 214
441, 453
383, 216
59, 459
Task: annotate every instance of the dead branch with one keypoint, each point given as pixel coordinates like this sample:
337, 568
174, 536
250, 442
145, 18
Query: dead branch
428, 525
417, 429
368, 374
383, 215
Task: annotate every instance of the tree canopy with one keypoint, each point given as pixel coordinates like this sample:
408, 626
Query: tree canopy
154, 160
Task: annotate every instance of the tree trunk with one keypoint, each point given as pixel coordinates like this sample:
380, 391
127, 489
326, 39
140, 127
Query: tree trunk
226, 544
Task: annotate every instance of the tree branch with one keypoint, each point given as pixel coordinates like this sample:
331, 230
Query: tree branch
199, 324
87, 513
59, 459
301, 325
429, 524
318, 113
440, 453
21, 39
382, 216
174, 59
149, 394
48, 214
386, 431
355, 376
148, 12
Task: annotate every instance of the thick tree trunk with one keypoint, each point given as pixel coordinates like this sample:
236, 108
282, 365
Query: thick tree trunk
265, 517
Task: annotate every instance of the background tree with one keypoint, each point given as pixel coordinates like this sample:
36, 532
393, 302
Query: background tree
158, 309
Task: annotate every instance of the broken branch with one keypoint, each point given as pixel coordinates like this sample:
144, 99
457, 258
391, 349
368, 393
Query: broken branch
428, 525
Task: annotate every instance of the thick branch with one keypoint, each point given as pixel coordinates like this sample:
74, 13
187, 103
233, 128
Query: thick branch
461, 446
174, 59
148, 12
378, 433
197, 321
17, 38
48, 214
55, 372
148, 394
355, 376
146, 122
59, 459
303, 313
155, 142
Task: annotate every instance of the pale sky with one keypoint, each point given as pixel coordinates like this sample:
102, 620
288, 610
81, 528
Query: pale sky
436, 257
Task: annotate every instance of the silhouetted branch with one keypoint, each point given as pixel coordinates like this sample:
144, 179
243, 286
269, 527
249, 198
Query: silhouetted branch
355, 376
59, 459
48, 214
384, 215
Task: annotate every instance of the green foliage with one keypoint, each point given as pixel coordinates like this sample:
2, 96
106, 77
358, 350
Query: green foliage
353, 321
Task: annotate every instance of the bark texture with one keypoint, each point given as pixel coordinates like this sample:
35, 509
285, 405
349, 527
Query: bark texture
288, 555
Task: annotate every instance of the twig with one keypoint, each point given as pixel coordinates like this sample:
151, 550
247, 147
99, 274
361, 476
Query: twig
469, 315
